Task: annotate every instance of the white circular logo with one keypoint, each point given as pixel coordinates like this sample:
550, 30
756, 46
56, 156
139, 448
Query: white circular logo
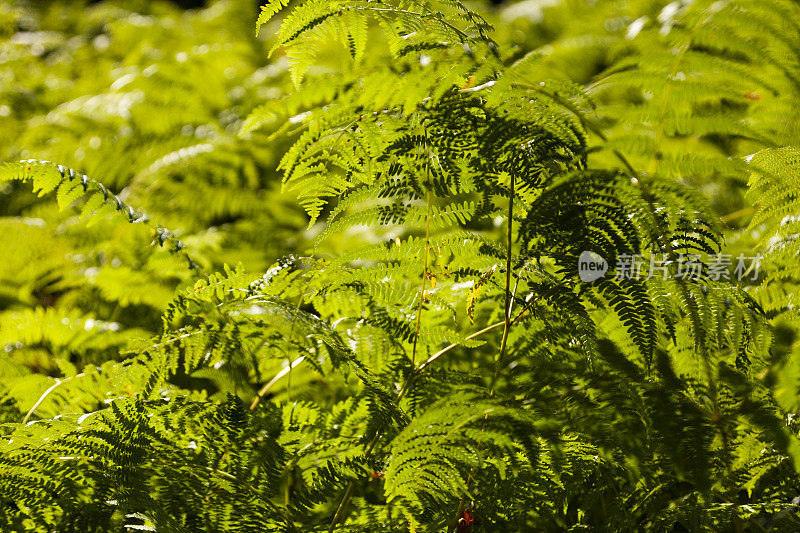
591, 266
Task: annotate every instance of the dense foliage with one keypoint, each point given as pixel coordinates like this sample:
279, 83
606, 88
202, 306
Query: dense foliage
331, 275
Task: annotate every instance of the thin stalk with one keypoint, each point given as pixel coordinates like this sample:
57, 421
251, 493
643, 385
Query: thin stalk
424, 274
274, 380
58, 383
346, 499
509, 300
507, 322
736, 214
424, 365
293, 364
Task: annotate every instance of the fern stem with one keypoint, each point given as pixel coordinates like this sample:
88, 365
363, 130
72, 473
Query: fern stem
446, 349
415, 373
424, 274
263, 391
419, 369
736, 214
503, 341
508, 300
44, 395
288, 370
506, 323
347, 495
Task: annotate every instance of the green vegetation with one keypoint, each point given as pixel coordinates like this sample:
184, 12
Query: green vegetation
333, 266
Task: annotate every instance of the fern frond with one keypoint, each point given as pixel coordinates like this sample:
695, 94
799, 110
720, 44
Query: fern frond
71, 186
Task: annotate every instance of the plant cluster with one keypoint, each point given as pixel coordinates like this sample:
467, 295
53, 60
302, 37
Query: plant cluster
408, 342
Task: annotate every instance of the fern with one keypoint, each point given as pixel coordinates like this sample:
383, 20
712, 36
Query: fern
409, 340
71, 186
